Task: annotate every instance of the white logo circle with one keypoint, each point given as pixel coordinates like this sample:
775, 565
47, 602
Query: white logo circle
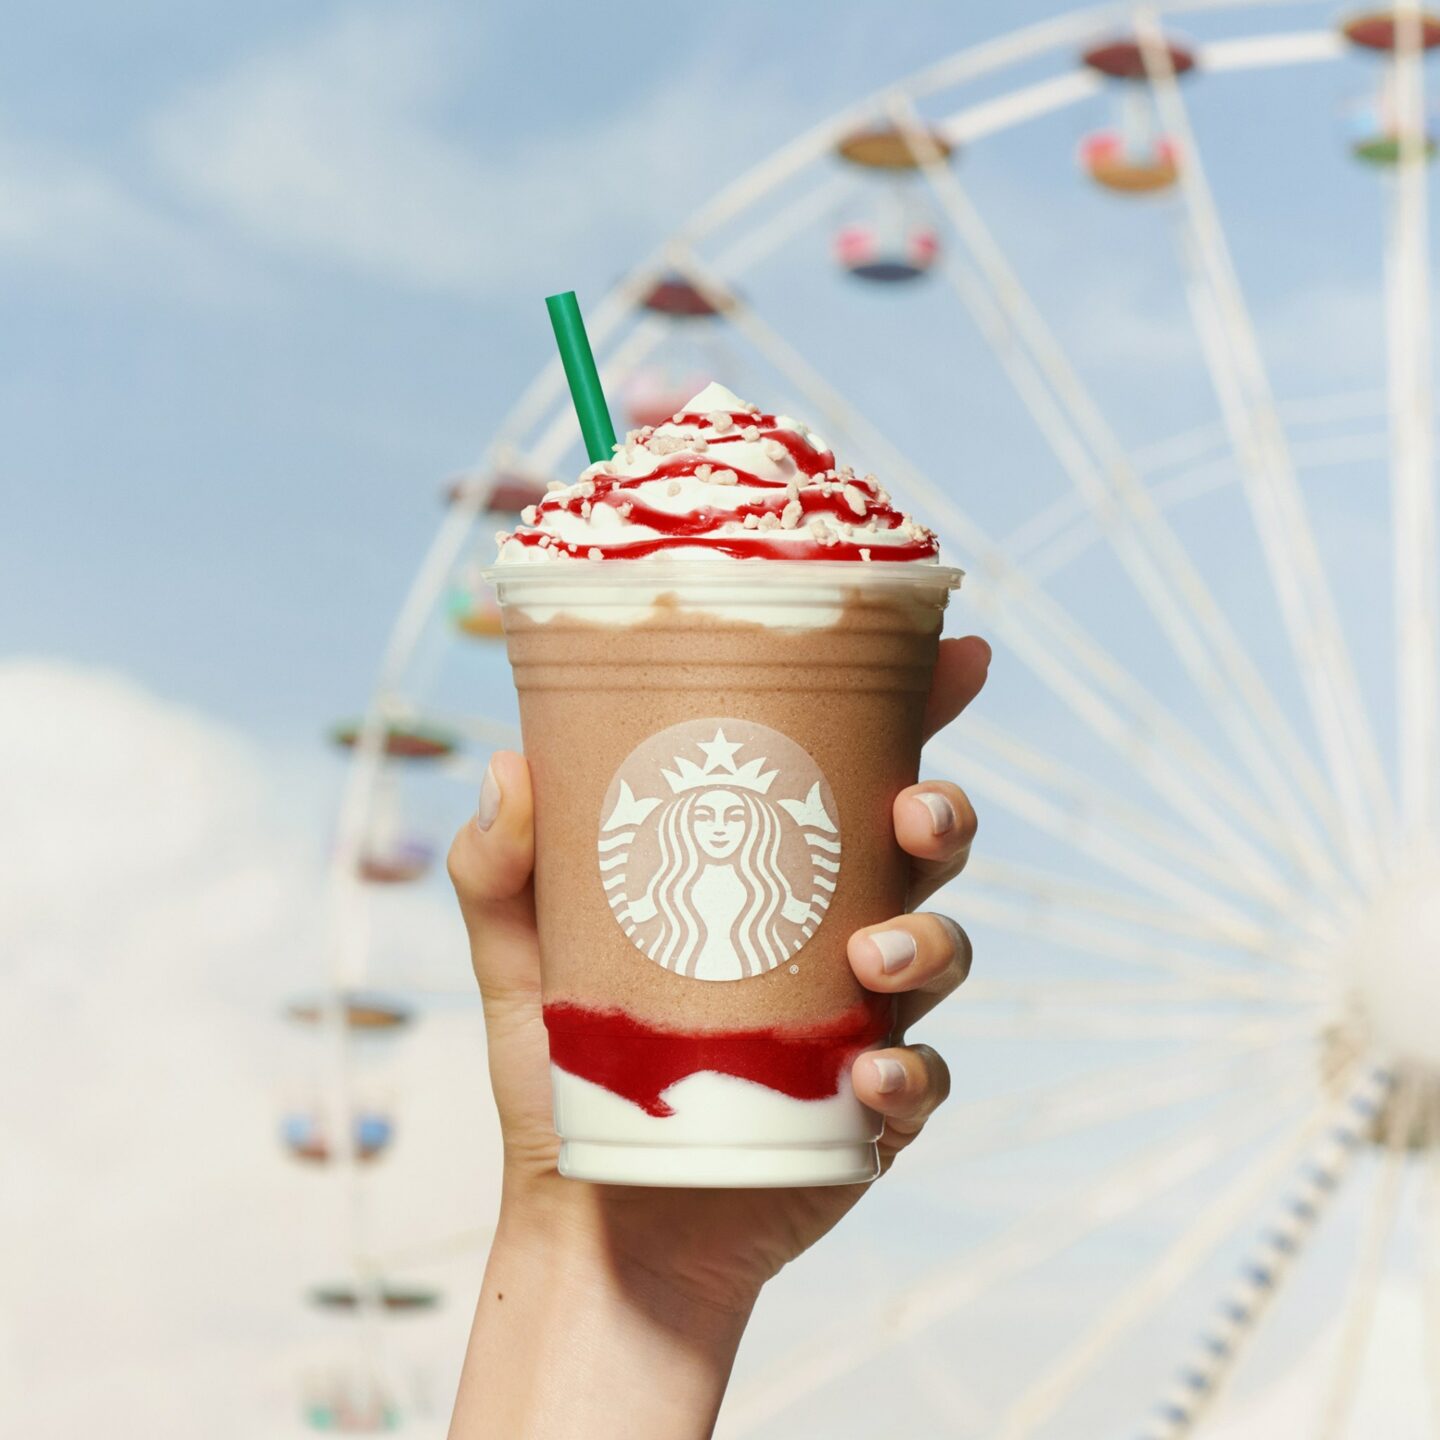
719, 848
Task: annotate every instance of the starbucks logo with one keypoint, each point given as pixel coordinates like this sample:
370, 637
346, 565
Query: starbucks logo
719, 848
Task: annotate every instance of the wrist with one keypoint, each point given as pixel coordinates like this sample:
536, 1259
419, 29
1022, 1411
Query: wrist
569, 1334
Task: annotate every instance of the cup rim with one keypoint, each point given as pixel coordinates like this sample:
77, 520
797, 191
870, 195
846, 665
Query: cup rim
724, 573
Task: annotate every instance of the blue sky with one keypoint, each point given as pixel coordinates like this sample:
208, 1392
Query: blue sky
272, 278
269, 275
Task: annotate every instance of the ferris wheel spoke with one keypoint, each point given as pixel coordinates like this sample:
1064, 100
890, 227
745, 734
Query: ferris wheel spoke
1161, 1278
1225, 928
836, 1350
787, 222
1238, 371
1118, 855
1058, 536
1038, 630
1412, 481
1058, 925
1145, 997
1265, 1269
1038, 1022
1359, 1307
1072, 1108
1102, 473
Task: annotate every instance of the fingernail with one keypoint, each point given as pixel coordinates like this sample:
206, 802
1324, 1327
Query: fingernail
896, 947
942, 812
489, 806
889, 1075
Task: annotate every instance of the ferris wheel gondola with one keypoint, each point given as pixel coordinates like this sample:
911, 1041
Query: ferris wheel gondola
892, 233
396, 1299
305, 1137
1133, 157
366, 1011
402, 741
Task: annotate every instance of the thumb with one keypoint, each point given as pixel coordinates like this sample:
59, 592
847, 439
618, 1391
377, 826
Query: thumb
491, 865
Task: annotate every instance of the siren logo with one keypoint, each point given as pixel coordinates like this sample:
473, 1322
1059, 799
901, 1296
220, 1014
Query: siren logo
719, 848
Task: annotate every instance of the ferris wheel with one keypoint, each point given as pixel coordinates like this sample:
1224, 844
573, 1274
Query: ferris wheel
1214, 857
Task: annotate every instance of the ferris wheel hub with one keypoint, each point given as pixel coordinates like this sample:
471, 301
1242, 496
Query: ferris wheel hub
1394, 969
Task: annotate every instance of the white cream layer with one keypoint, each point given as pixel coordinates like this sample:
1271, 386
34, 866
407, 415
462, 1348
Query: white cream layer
711, 1109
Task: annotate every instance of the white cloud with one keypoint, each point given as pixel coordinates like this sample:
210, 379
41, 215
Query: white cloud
327, 149
156, 909
61, 213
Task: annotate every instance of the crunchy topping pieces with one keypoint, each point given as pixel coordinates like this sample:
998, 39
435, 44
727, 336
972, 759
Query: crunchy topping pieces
703, 472
673, 488
769, 521
855, 499
750, 432
790, 516
720, 422
773, 449
751, 521
595, 553
864, 552
528, 514
555, 485
725, 477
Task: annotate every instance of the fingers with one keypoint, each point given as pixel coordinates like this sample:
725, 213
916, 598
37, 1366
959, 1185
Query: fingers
959, 675
906, 1084
491, 861
919, 958
935, 823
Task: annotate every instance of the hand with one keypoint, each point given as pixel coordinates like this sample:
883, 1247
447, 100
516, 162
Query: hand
712, 1248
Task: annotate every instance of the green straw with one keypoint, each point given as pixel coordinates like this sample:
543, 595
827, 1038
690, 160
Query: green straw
580, 371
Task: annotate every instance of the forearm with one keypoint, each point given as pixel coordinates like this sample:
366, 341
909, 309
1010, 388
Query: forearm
565, 1343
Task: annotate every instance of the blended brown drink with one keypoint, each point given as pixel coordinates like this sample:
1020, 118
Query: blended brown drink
722, 644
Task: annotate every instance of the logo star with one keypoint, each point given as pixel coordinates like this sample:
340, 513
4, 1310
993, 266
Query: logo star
719, 752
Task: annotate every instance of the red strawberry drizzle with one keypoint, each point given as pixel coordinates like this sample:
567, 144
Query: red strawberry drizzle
695, 528
640, 1062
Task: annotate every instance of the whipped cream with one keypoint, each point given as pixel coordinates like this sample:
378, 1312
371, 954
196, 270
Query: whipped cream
720, 480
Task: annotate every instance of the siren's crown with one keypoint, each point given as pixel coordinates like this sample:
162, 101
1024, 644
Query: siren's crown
719, 768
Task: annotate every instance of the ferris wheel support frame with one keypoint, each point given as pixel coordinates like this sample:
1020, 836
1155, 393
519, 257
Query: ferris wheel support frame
1281, 521
1092, 455
1412, 479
